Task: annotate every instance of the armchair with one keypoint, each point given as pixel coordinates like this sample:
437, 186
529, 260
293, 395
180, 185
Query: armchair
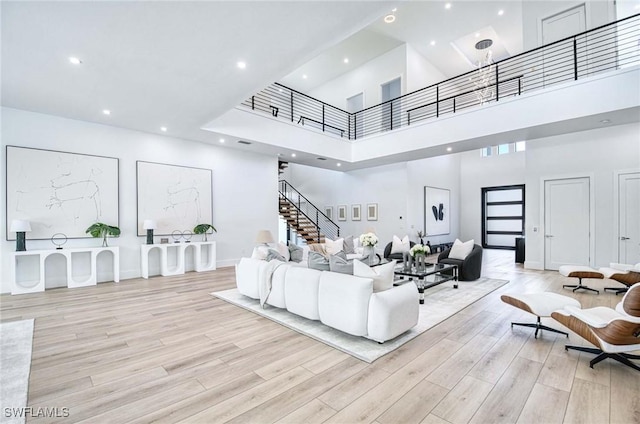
615, 332
397, 256
469, 268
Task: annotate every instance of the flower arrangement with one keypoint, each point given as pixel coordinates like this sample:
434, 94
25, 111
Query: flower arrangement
368, 239
419, 249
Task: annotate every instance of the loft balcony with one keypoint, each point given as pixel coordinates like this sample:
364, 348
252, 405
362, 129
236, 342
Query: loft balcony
559, 87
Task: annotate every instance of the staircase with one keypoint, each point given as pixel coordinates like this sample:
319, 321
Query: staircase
304, 217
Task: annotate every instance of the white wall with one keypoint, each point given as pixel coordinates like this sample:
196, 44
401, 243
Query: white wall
366, 78
420, 72
244, 184
597, 153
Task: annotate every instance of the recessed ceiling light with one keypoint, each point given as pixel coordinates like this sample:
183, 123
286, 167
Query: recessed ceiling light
500, 12
106, 112
394, 9
605, 121
477, 34
293, 155
449, 149
346, 60
637, 6
304, 76
75, 60
222, 140
163, 129
242, 65
433, 42
447, 6
390, 18
338, 164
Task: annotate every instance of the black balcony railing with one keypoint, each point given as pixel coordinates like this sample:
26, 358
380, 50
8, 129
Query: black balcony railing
608, 47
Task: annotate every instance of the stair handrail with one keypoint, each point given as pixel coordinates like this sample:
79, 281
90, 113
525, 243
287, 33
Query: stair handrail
331, 229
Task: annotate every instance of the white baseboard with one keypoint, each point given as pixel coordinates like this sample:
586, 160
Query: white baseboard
534, 265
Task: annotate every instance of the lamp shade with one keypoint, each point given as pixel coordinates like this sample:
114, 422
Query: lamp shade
264, 236
149, 224
20, 226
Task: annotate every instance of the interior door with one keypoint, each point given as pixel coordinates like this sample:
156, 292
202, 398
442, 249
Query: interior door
566, 222
629, 218
558, 60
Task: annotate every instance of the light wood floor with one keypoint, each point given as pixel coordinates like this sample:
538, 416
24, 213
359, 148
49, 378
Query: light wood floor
164, 350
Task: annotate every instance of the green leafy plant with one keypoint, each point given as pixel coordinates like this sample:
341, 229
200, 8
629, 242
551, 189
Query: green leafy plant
203, 229
103, 230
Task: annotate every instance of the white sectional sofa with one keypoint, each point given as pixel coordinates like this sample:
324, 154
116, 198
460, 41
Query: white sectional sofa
344, 302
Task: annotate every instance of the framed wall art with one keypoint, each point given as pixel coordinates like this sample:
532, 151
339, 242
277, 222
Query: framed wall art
342, 212
372, 212
355, 212
176, 197
60, 192
328, 211
436, 211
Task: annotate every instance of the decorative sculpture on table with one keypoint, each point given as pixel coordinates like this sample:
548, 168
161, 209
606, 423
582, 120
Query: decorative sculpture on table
149, 225
204, 230
186, 234
58, 239
100, 229
20, 227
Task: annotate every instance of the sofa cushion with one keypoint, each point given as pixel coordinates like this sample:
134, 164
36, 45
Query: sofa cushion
334, 246
461, 250
400, 245
382, 275
348, 245
318, 262
340, 263
274, 254
319, 248
283, 249
301, 291
392, 312
276, 296
343, 302
295, 253
260, 252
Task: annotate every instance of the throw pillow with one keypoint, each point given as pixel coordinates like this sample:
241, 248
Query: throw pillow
284, 251
461, 250
400, 246
260, 252
318, 261
319, 248
382, 275
274, 254
295, 253
334, 246
348, 245
339, 263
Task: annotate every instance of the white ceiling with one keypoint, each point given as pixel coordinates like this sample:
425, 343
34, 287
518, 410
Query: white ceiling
173, 63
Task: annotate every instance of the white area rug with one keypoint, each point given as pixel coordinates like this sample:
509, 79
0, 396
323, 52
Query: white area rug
16, 340
440, 303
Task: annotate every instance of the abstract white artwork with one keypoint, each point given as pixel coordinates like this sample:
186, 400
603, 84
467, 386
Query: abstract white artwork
60, 192
436, 211
177, 197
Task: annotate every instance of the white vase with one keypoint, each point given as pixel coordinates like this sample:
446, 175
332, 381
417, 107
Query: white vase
369, 255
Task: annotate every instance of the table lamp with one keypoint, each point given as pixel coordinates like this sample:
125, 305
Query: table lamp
20, 226
149, 225
264, 237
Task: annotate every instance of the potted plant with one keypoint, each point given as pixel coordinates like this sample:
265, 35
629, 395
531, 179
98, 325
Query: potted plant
103, 230
204, 229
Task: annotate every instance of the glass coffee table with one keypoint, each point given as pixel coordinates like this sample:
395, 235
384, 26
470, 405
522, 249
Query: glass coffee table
431, 275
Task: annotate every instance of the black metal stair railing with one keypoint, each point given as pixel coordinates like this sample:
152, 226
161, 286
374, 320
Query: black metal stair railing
612, 46
324, 226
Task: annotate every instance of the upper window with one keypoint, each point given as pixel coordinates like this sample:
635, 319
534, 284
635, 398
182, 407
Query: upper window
503, 149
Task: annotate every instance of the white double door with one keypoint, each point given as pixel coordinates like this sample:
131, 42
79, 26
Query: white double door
629, 218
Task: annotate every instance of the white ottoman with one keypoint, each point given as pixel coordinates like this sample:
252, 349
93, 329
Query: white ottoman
580, 272
540, 305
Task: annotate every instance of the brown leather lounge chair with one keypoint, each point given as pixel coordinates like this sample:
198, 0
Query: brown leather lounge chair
615, 332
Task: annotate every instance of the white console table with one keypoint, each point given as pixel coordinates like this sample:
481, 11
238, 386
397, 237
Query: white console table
20, 287
205, 262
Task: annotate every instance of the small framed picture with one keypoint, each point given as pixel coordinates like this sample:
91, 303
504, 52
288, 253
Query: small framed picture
355, 212
342, 212
328, 211
372, 212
